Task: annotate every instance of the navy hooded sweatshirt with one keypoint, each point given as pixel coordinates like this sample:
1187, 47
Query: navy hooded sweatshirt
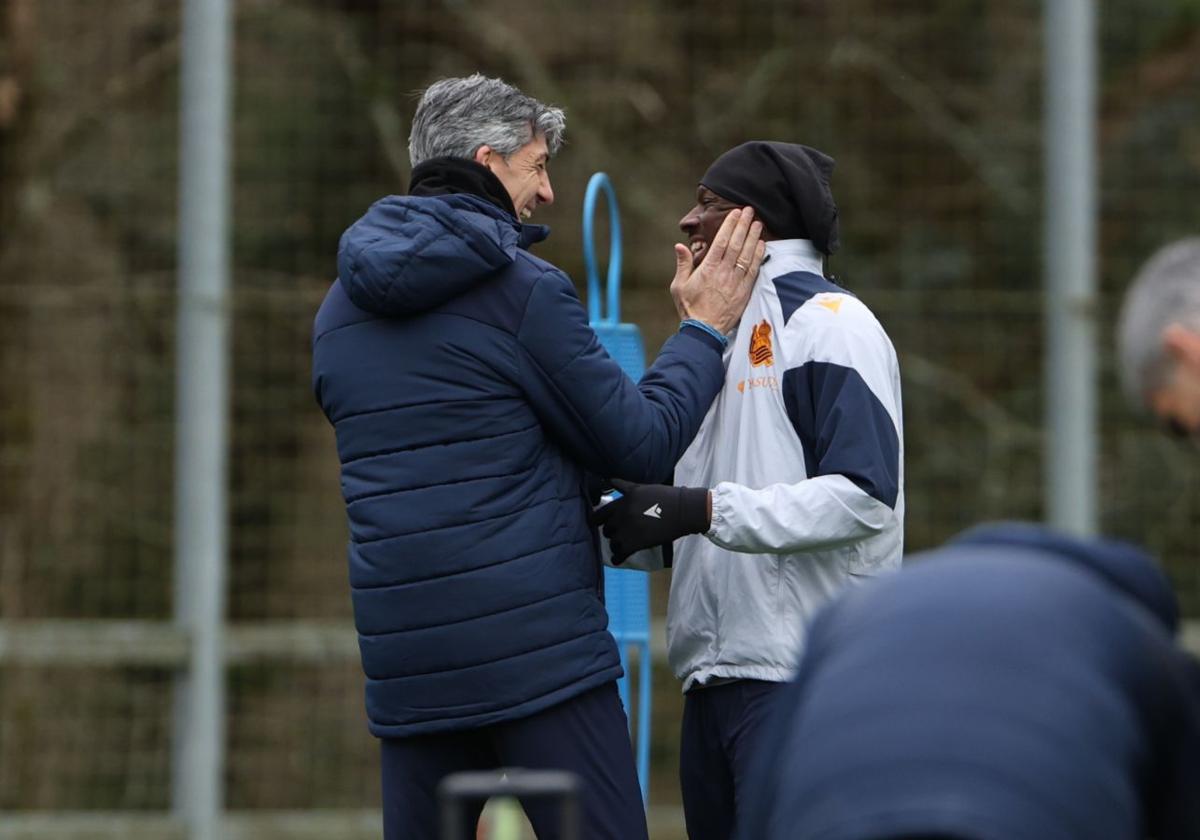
1016, 684
469, 396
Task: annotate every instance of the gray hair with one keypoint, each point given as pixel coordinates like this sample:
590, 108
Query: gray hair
1166, 291
457, 116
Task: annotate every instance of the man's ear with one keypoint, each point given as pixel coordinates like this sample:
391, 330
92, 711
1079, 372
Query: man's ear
1182, 345
483, 154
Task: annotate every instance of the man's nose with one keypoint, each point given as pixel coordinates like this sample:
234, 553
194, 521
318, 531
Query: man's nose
690, 221
545, 192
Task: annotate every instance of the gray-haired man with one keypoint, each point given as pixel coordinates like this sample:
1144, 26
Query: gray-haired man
470, 397
1158, 337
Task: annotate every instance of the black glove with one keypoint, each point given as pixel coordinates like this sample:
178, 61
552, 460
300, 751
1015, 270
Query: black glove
651, 514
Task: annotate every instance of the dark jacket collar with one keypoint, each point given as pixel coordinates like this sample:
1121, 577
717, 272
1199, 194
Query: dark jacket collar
454, 176
444, 176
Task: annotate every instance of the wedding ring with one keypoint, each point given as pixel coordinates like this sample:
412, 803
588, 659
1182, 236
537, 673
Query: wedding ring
741, 265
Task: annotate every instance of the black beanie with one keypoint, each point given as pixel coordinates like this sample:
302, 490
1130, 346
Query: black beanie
787, 185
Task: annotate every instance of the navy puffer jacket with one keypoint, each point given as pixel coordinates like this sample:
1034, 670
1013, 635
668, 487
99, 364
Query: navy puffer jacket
469, 396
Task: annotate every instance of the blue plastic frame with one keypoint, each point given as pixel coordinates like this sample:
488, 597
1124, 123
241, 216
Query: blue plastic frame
598, 183
622, 586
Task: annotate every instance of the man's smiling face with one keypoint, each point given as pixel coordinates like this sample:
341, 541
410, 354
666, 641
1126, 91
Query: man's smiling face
701, 223
523, 174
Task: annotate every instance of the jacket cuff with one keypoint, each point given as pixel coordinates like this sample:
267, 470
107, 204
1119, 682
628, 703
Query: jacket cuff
710, 338
720, 513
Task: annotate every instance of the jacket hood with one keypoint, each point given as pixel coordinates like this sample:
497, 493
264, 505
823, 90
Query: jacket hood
1121, 565
409, 254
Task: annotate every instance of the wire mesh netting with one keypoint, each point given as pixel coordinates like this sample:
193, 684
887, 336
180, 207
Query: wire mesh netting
932, 110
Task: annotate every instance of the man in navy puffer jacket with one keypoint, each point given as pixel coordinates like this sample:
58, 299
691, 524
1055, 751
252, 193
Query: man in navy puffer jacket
469, 398
1016, 684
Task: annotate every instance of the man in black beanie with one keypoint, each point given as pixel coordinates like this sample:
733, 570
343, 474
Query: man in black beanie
793, 488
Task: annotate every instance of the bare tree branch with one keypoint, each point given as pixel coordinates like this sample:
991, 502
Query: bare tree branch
77, 126
927, 104
390, 129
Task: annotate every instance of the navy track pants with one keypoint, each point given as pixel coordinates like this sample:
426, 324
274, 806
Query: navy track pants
587, 735
721, 728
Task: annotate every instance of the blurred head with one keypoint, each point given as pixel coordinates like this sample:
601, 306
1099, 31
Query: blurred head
1158, 337
787, 185
494, 124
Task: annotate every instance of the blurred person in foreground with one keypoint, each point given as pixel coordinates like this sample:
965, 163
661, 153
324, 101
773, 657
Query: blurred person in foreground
1015, 683
1158, 338
469, 396
792, 489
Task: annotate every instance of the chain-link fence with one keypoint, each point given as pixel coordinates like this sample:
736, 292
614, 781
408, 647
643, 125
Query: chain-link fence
932, 109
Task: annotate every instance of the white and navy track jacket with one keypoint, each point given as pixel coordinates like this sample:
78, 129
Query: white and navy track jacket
804, 452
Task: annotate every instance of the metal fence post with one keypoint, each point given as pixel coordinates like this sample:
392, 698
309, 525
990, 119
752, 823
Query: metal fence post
201, 414
1070, 264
